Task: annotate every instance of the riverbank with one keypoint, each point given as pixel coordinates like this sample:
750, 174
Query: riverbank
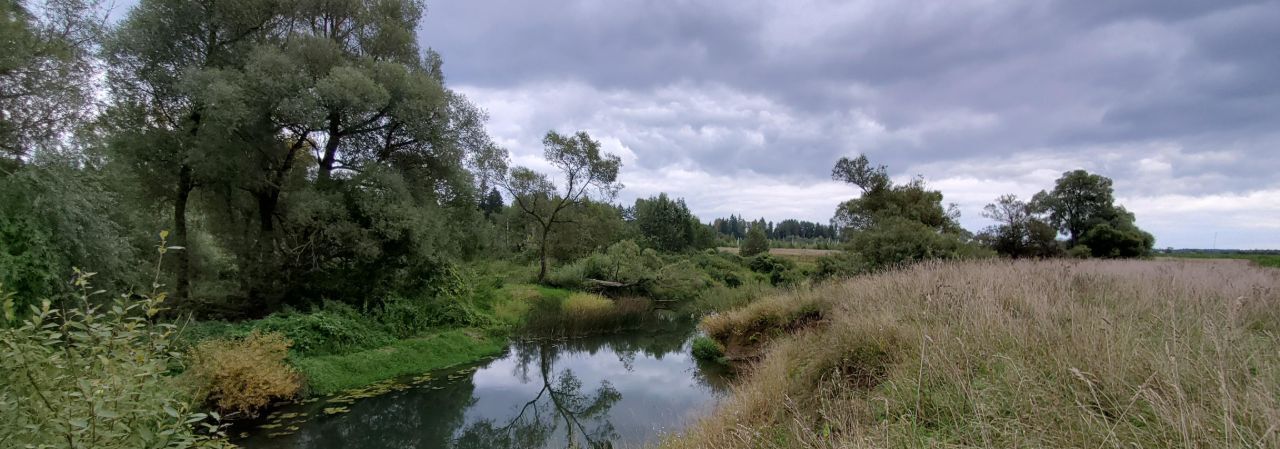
334, 346
328, 374
520, 398
1008, 353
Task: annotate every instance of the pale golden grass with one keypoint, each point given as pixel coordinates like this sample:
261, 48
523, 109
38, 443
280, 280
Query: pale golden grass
1092, 354
586, 305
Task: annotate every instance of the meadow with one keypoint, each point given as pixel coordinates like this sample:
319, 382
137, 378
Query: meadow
1004, 353
1268, 259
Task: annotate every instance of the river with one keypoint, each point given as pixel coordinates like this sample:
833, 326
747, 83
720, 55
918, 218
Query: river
621, 390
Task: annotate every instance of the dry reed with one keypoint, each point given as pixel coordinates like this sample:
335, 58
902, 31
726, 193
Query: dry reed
1096, 354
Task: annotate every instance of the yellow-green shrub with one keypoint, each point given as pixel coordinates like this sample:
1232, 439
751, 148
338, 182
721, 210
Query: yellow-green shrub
243, 375
586, 305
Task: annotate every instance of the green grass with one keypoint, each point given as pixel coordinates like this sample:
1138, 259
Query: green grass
332, 373
1265, 260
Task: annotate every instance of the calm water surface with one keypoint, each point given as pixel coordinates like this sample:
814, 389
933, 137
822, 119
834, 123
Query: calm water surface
615, 391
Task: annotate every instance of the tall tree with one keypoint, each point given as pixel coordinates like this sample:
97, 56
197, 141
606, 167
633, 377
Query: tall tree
585, 171
1019, 232
47, 52
881, 199
1082, 205
492, 203
1078, 200
166, 65
667, 224
755, 243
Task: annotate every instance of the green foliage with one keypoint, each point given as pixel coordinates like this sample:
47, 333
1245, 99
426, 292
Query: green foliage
706, 348
329, 330
892, 224
321, 164
589, 226
586, 169
881, 199
668, 225
779, 271
755, 243
1077, 201
896, 241
842, 264
679, 281
623, 262
1081, 205
1080, 252
46, 72
53, 217
1263, 258
329, 374
92, 376
724, 268
1126, 241
1020, 233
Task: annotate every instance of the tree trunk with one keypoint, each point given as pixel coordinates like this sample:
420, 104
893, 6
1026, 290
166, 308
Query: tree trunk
182, 283
542, 255
330, 149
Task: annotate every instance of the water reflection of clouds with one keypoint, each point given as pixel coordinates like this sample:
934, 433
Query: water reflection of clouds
626, 389
658, 389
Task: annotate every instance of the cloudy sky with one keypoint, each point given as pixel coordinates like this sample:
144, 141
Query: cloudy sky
743, 106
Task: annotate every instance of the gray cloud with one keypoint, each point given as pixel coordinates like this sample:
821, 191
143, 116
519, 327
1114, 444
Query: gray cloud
1175, 99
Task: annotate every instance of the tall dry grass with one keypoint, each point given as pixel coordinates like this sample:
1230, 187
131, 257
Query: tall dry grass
1095, 354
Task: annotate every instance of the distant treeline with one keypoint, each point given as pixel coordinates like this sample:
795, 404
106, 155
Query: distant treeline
737, 227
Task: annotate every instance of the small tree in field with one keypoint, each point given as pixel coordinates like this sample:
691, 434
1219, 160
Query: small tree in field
755, 243
585, 170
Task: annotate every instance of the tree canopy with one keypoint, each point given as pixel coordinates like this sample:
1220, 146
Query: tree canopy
585, 171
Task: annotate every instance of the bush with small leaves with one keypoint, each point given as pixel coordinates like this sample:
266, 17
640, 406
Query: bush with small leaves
243, 375
93, 375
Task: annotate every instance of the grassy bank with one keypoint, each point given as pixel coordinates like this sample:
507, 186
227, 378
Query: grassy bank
328, 374
1000, 354
333, 346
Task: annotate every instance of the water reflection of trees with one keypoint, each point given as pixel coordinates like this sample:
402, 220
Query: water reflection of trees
563, 412
560, 408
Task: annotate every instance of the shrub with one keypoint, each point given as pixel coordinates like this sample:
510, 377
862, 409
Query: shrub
410, 317
91, 376
839, 265
243, 375
755, 243
779, 271
704, 348
1080, 252
512, 311
899, 241
571, 275
721, 298
680, 281
335, 328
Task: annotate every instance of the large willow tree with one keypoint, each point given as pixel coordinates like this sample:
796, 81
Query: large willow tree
314, 141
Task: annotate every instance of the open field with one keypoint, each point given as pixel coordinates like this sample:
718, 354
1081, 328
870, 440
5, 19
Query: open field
1266, 260
1009, 354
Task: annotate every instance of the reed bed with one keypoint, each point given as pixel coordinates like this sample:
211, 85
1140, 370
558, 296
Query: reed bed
1095, 354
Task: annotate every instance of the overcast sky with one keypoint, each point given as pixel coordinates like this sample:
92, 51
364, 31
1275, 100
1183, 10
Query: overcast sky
743, 106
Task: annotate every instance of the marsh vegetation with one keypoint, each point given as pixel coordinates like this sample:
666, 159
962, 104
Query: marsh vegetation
271, 205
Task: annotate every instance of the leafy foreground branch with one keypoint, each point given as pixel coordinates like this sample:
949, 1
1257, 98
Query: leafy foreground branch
1009, 354
94, 376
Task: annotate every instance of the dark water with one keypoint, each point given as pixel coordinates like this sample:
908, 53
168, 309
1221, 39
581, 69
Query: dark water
615, 391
